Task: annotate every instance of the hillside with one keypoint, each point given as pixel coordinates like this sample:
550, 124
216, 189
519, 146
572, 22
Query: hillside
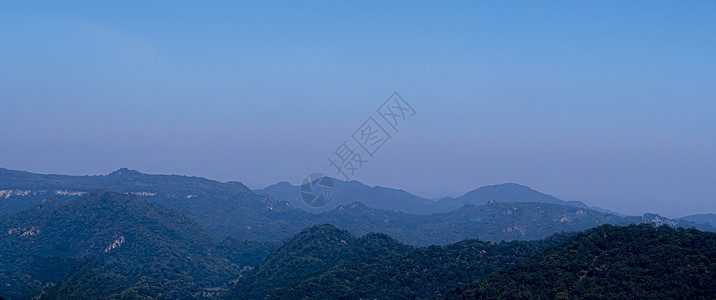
106, 244
324, 262
611, 262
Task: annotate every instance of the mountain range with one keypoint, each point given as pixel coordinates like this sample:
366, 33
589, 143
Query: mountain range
134, 235
347, 192
233, 210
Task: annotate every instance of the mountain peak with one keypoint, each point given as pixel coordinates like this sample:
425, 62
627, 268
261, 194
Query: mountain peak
125, 172
509, 192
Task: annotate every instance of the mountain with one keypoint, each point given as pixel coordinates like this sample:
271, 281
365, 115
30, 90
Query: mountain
611, 262
347, 192
125, 245
107, 245
508, 192
225, 209
324, 262
494, 221
402, 201
232, 210
702, 219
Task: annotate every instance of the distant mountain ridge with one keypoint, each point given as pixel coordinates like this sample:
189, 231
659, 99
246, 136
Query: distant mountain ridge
347, 192
702, 219
225, 209
507, 192
494, 221
232, 210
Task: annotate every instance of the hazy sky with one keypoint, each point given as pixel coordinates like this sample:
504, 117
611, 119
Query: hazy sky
606, 102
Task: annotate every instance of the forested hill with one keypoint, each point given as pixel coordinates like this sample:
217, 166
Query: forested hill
612, 262
107, 244
324, 262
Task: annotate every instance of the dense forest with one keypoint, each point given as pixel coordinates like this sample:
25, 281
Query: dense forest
607, 262
107, 244
325, 262
611, 262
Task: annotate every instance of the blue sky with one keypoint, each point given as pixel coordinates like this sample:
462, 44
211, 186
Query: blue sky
610, 103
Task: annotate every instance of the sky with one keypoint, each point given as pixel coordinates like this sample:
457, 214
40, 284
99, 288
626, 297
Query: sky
610, 103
